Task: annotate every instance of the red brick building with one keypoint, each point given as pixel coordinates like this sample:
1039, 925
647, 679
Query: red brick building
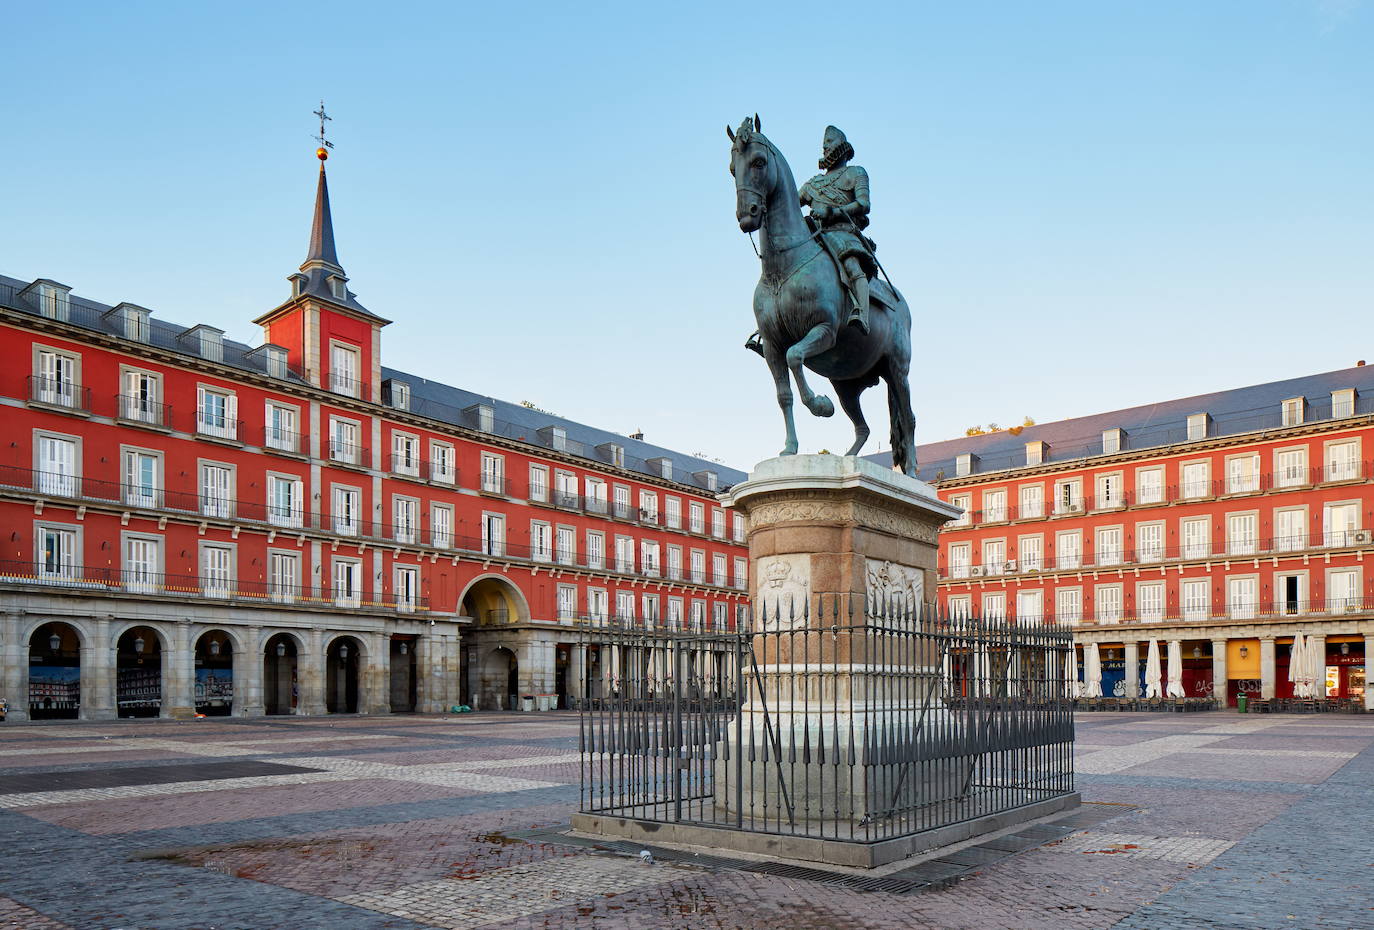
297, 528
1224, 522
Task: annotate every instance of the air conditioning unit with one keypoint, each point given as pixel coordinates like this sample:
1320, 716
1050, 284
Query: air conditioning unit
1362, 537
976, 571
1011, 566
1074, 508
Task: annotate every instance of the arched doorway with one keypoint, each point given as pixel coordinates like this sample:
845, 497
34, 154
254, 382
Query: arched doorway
54, 673
280, 693
494, 601
402, 675
341, 675
138, 673
500, 680
214, 674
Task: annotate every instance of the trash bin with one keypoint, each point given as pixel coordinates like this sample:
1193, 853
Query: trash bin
542, 701
527, 702
1241, 701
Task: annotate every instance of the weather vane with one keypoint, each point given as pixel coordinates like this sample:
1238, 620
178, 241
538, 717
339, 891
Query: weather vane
325, 145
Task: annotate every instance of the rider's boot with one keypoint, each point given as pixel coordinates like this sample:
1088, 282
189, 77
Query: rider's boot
754, 343
858, 314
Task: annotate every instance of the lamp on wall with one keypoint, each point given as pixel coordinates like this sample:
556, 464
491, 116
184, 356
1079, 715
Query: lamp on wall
138, 644
55, 642
1345, 649
214, 647
343, 651
281, 649
1197, 652
403, 648
1244, 651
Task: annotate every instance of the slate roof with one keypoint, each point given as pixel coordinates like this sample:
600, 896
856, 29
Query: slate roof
1238, 410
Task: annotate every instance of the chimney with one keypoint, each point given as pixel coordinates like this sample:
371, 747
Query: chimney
639, 433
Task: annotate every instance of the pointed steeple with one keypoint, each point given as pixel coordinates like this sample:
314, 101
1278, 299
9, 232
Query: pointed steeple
322, 230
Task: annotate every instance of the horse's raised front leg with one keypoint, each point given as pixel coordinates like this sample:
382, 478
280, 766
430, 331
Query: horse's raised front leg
777, 364
848, 392
819, 339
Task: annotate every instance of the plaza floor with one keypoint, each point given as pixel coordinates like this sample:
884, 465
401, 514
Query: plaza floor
1201, 820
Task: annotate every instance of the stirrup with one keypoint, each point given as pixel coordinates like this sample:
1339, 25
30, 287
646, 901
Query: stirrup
754, 344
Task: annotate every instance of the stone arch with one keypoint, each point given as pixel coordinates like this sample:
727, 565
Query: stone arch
140, 671
499, 681
493, 600
216, 658
120, 627
280, 653
344, 659
54, 675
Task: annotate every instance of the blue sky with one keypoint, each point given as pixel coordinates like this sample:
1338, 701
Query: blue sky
1088, 205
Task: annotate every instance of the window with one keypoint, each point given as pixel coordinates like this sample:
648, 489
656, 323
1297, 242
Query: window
1107, 599
965, 503
1291, 592
622, 502
56, 461
1242, 597
1290, 467
1111, 441
1340, 521
142, 563
1149, 486
698, 616
1030, 607
596, 550
960, 606
995, 606
1068, 496
1292, 411
216, 570
216, 490
1068, 605
698, 563
1068, 550
565, 545
696, 513
142, 483
717, 523
1197, 426
1342, 460
960, 558
674, 613
57, 558
994, 506
400, 395
405, 584
285, 495
441, 463
597, 608
343, 442
718, 572
964, 464
493, 473
406, 514
1031, 551
672, 512
624, 554
348, 504
719, 614
344, 371
1196, 534
994, 556
1194, 479
541, 545
648, 558
1109, 491
741, 573
675, 563
1242, 474
348, 583
1242, 533
1031, 501
567, 602
649, 603
216, 413
566, 490
280, 431
56, 380
1108, 546
648, 506
405, 454
1343, 590
1343, 403
1290, 530
141, 400
1149, 541
539, 483
1035, 452
283, 576
1149, 601
1196, 597
741, 616
595, 494
737, 527
624, 606
441, 525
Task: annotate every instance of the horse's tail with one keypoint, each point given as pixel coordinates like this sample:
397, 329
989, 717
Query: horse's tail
901, 417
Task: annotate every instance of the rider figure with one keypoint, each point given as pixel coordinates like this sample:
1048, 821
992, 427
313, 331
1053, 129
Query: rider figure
839, 204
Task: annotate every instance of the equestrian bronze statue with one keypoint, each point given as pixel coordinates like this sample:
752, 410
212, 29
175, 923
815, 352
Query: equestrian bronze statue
819, 302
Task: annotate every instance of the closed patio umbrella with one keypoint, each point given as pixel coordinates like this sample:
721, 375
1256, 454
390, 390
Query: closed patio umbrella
1297, 671
1175, 688
1072, 688
1152, 670
1092, 672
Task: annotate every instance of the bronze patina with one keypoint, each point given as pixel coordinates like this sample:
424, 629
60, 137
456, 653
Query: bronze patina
809, 290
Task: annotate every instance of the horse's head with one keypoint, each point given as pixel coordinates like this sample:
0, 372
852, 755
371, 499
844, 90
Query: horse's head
755, 170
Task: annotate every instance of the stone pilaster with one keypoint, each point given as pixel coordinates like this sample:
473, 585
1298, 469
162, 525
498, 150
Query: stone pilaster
179, 674
98, 674
1368, 667
15, 653
376, 675
1131, 652
248, 665
1268, 677
310, 674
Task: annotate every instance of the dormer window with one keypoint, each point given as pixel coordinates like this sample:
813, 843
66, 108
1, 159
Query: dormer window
613, 453
965, 464
662, 466
398, 394
1343, 403
273, 360
483, 417
1292, 411
205, 341
555, 437
51, 299
298, 282
1112, 441
1197, 426
707, 479
1037, 451
131, 321
337, 287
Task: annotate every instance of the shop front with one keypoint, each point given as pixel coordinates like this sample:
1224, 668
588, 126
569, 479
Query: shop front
1242, 670
1197, 669
1345, 667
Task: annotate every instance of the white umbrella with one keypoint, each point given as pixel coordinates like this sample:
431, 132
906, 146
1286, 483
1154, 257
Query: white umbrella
1175, 689
1092, 672
1152, 670
1297, 671
1072, 688
1316, 668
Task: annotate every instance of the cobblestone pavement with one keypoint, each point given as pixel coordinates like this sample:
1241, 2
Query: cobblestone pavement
368, 823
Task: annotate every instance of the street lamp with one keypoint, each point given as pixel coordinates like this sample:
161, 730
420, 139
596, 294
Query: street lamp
343, 651
214, 647
281, 649
403, 648
138, 644
54, 642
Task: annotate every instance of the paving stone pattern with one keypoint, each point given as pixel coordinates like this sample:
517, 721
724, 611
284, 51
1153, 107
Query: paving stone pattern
370, 823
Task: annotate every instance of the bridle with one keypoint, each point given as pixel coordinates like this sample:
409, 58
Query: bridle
763, 204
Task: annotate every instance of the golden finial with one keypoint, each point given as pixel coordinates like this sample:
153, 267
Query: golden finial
322, 152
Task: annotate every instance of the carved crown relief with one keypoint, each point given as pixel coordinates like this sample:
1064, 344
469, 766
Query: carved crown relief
784, 582
891, 585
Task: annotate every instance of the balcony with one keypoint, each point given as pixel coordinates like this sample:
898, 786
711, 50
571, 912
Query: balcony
341, 383
282, 440
347, 453
567, 500
595, 505
59, 393
214, 426
143, 411
494, 484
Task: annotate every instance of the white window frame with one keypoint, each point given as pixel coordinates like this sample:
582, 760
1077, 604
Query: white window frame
217, 580
596, 549
281, 429
138, 463
541, 541
1109, 547
960, 559
1341, 459
1195, 599
1068, 606
1151, 601
345, 369
1199, 546
405, 454
539, 483
1285, 539
1149, 485
995, 505
405, 587
441, 525
140, 397
1190, 485
1068, 549
1107, 603
1150, 545
1030, 552
346, 508
283, 575
221, 422
1030, 501
405, 512
672, 512
442, 462
1243, 473
1242, 533
1290, 467
58, 376
142, 557
566, 602
292, 516
57, 464
696, 517
347, 575
66, 561
345, 441
493, 473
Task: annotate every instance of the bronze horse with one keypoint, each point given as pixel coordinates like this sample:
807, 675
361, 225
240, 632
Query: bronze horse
800, 306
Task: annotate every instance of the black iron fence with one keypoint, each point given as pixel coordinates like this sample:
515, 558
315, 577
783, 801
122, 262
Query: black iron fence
841, 724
